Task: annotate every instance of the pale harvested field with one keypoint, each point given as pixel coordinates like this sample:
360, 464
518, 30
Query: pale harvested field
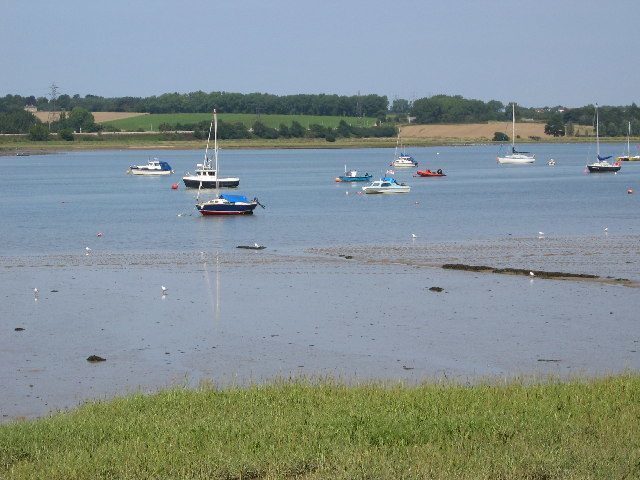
99, 117
478, 131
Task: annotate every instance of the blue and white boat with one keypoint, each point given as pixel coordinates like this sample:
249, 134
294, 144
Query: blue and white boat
352, 176
387, 185
153, 167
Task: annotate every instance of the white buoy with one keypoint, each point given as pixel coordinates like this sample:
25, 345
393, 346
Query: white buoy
532, 274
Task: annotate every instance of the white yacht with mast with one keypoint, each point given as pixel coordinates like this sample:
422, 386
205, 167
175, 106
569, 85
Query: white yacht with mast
515, 157
206, 175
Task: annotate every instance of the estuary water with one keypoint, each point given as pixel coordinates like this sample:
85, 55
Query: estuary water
343, 287
57, 203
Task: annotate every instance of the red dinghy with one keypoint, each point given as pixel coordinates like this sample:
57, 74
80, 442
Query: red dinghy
429, 173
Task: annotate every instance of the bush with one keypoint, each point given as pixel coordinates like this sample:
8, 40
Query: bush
39, 133
66, 134
500, 137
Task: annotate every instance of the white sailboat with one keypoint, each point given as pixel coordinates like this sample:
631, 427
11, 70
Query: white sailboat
207, 175
628, 157
515, 157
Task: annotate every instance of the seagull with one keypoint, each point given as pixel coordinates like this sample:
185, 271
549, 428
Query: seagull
256, 245
606, 229
35, 292
413, 235
540, 233
531, 274
164, 290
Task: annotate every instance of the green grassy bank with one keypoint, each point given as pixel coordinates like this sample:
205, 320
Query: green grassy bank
584, 429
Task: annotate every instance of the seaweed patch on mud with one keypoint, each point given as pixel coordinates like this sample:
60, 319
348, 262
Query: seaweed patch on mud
533, 273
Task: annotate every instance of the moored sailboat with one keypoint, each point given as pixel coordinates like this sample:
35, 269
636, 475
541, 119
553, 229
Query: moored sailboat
628, 157
602, 165
515, 157
208, 176
223, 204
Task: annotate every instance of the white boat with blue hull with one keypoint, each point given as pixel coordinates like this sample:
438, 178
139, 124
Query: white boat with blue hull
153, 167
353, 176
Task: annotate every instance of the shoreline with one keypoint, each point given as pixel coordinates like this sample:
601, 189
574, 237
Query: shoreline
10, 147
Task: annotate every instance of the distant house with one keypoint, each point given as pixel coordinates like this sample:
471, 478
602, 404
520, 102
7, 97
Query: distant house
31, 108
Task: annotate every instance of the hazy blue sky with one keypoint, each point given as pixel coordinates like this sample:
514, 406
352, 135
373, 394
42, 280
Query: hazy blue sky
536, 52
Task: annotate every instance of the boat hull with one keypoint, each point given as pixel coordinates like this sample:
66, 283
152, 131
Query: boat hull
403, 164
355, 179
150, 173
195, 182
386, 190
205, 209
515, 160
603, 169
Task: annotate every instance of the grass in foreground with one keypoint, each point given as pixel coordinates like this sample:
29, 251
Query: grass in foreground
578, 429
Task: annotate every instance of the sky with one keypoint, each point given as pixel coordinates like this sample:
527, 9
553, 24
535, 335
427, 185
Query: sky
535, 52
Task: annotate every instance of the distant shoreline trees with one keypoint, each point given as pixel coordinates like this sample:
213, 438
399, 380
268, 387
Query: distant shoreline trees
428, 110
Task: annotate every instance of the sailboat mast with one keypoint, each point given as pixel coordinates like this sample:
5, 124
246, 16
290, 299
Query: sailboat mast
628, 135
206, 150
597, 134
513, 127
215, 144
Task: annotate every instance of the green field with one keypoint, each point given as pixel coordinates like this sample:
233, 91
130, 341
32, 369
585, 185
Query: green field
152, 121
579, 429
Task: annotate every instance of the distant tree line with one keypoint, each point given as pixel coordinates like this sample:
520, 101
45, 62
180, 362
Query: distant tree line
435, 109
238, 130
199, 102
81, 120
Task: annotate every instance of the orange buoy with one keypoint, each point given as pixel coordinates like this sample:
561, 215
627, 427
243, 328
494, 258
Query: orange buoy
174, 186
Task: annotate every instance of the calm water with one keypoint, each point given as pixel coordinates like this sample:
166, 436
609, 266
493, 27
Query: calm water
57, 203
